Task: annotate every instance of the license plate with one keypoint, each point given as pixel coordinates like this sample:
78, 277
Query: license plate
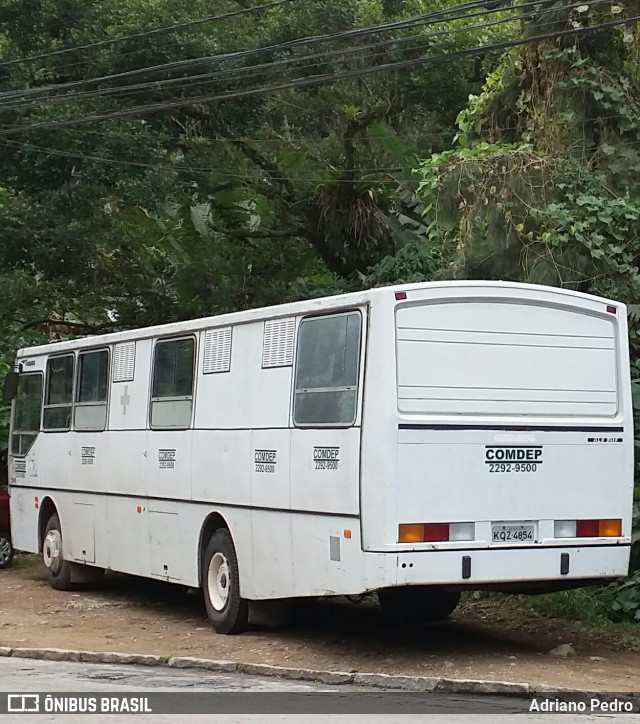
512, 533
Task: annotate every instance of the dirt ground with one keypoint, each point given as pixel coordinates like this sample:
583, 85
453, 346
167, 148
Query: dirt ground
484, 639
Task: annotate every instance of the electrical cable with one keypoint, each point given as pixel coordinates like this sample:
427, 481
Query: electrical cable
209, 170
205, 78
146, 33
425, 18
322, 79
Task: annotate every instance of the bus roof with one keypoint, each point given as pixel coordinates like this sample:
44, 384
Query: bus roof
308, 306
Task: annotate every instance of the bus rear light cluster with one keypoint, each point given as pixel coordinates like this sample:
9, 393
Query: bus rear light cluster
598, 528
435, 532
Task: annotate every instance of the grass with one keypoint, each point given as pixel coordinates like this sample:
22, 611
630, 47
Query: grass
592, 606
24, 560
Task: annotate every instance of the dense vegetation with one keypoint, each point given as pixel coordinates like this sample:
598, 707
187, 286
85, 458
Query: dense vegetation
515, 163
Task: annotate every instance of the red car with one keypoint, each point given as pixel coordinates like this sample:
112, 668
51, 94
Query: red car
6, 549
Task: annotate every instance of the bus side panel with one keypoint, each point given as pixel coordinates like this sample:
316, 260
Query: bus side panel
121, 458
325, 469
126, 530
328, 559
168, 537
221, 466
24, 518
247, 396
168, 463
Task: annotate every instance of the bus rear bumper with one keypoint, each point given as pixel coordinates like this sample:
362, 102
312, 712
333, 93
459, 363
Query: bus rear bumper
473, 568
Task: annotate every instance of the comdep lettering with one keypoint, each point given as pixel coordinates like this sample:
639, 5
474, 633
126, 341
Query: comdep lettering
513, 453
326, 453
265, 456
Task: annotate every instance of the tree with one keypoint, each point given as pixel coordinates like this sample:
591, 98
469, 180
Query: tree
214, 206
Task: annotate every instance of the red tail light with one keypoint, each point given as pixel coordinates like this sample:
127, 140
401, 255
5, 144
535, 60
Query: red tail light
587, 528
436, 532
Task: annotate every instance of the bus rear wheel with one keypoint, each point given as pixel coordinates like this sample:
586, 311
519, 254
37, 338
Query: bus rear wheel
418, 603
227, 611
53, 556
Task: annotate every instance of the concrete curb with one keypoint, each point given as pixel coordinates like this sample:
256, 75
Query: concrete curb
370, 680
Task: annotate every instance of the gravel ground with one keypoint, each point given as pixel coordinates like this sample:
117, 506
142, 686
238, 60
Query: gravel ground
484, 639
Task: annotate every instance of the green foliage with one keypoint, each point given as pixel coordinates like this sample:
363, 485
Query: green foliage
597, 606
299, 188
416, 261
593, 606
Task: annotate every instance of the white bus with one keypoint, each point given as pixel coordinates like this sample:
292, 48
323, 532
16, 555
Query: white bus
417, 441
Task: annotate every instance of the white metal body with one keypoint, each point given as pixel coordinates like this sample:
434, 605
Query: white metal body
453, 371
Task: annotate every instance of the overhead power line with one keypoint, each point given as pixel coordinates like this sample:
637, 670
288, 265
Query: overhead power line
313, 80
241, 71
146, 33
16, 98
467, 5
295, 138
415, 21
187, 168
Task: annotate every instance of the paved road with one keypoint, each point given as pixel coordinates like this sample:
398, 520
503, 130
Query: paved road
27, 675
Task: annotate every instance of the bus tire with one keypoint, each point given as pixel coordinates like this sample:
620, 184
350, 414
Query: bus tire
6, 549
227, 611
58, 569
418, 603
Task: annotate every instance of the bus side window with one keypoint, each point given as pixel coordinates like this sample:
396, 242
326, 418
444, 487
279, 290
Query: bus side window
172, 386
26, 413
90, 411
326, 386
59, 393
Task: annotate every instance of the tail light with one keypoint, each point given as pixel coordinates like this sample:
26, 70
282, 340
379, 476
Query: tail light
594, 528
435, 532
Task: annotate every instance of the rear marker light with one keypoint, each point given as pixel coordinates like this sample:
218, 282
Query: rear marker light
400, 296
610, 528
411, 533
611, 309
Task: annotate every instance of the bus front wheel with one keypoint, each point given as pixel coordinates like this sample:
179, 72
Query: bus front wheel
418, 603
227, 611
52, 555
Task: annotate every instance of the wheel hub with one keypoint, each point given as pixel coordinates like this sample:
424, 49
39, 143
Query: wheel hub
218, 581
52, 551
